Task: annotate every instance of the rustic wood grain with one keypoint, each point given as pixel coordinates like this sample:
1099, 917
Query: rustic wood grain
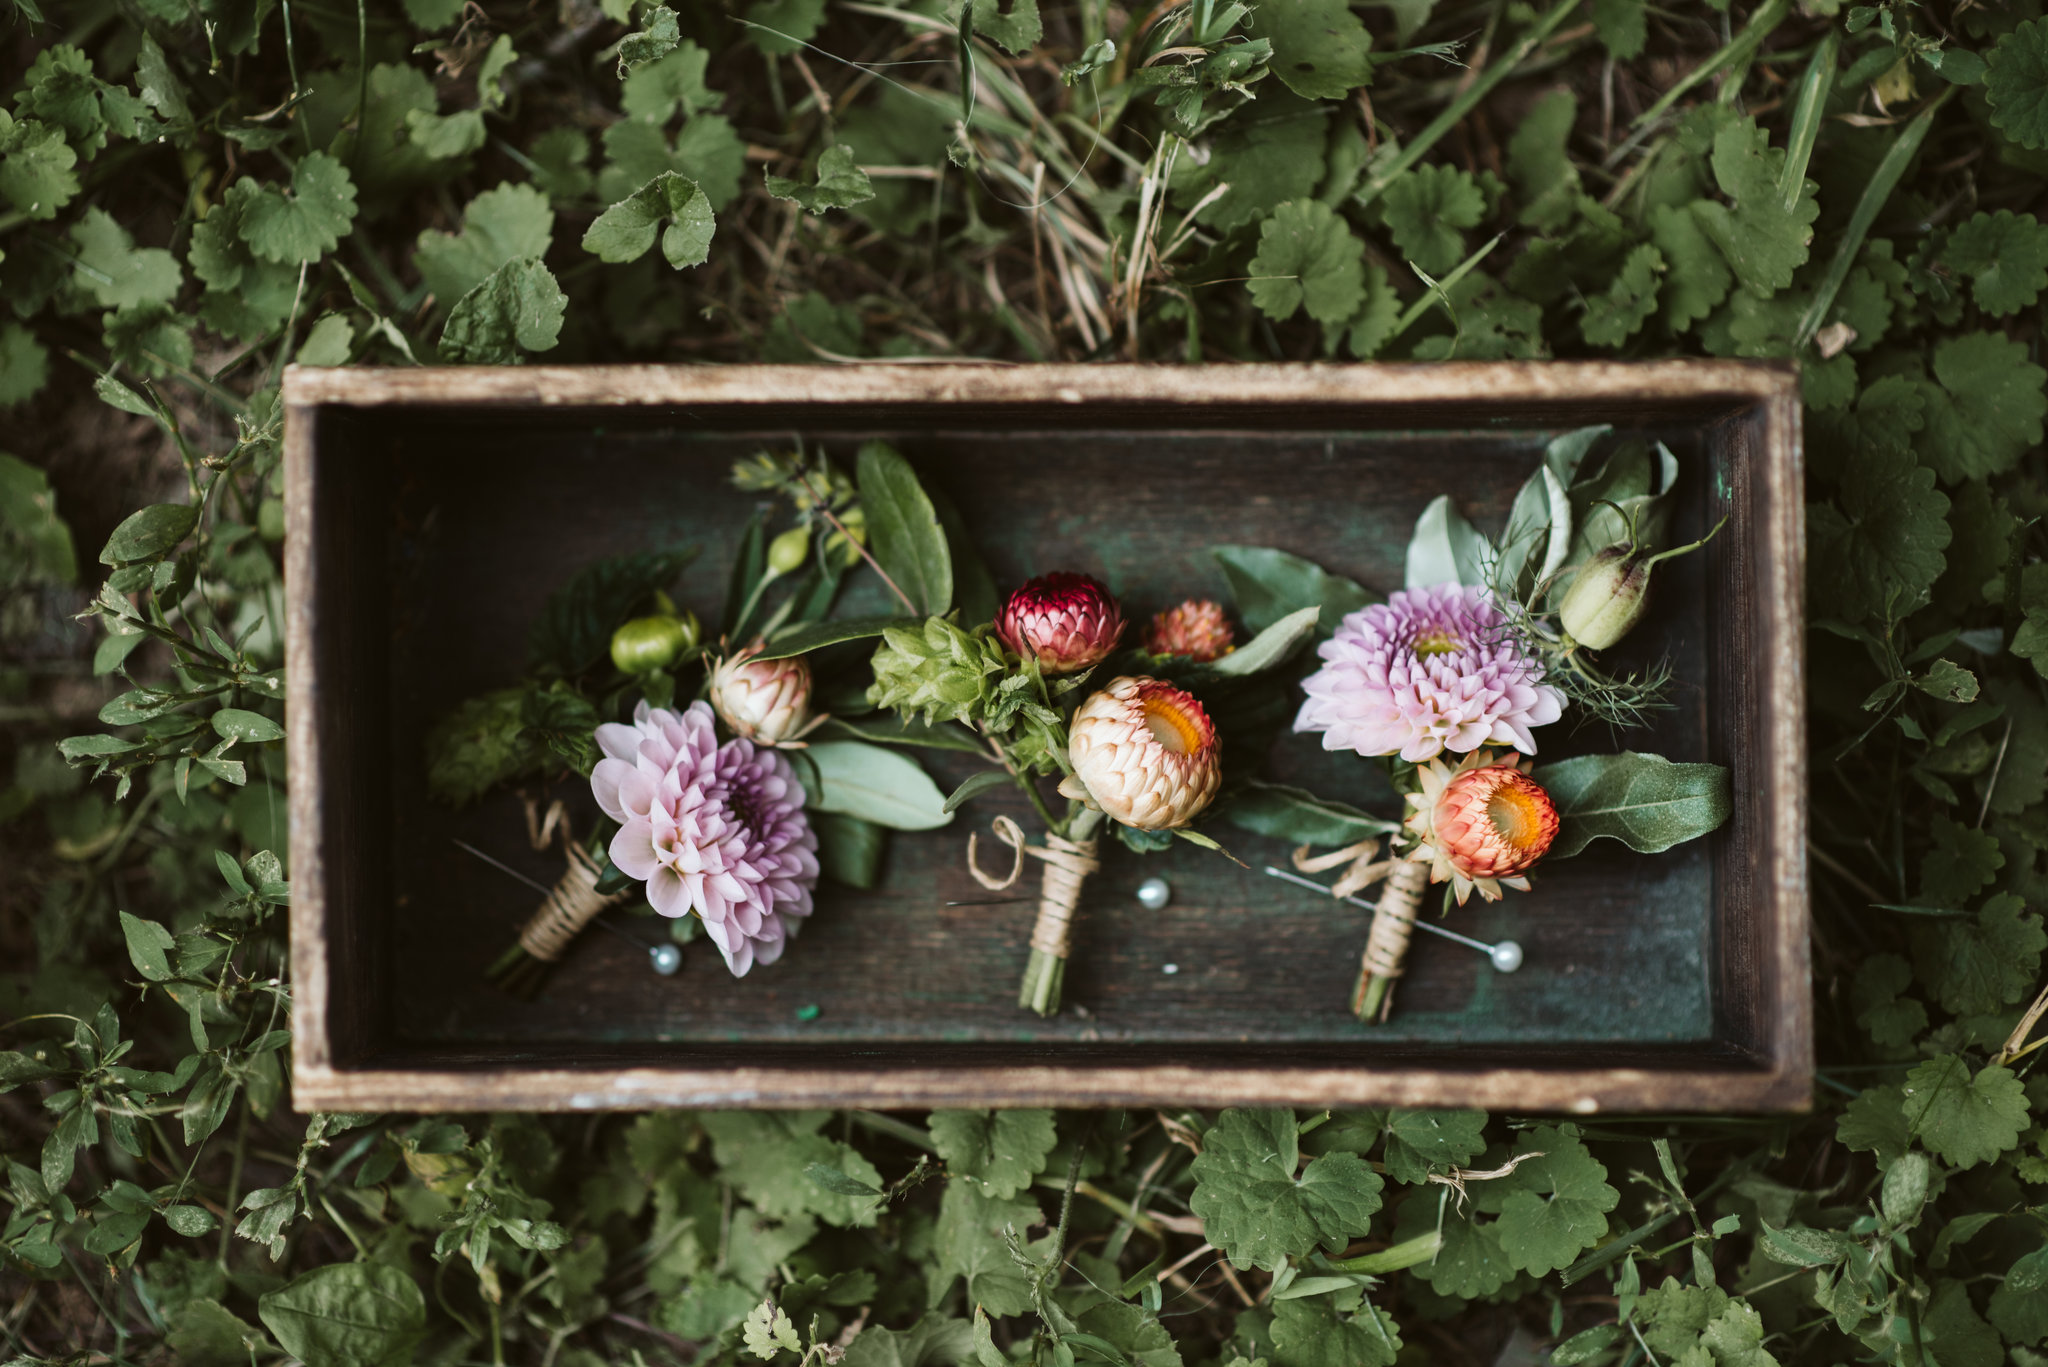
508, 480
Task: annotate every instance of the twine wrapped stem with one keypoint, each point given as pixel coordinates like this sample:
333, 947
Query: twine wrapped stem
568, 909
1393, 917
1068, 862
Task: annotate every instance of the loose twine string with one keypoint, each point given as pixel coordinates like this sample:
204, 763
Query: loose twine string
1067, 866
1393, 918
575, 899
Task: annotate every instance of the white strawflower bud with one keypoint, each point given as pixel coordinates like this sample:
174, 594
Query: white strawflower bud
764, 701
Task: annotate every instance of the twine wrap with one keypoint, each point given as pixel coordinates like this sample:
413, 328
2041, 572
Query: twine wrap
1393, 920
568, 909
1067, 866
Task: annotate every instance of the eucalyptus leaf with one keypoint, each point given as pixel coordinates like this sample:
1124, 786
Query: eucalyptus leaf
903, 529
1645, 801
1541, 517
1271, 648
801, 640
874, 783
1446, 549
975, 785
1299, 816
1267, 585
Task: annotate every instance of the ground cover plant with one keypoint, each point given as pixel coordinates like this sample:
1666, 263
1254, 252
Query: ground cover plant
195, 192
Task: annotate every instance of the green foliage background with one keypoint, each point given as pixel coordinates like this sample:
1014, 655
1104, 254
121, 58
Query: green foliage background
195, 192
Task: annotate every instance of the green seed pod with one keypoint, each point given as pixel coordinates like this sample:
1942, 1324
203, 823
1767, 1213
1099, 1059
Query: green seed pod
788, 552
1607, 597
649, 643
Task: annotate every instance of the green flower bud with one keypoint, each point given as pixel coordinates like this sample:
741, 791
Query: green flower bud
649, 643
1607, 597
788, 552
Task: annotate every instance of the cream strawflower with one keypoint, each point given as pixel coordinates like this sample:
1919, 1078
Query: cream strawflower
764, 701
1145, 753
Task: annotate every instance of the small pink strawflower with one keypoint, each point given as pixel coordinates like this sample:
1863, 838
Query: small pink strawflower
718, 830
1482, 825
1426, 671
1197, 629
1068, 621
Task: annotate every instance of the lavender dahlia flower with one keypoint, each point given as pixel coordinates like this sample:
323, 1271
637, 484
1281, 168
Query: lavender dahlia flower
718, 830
1426, 671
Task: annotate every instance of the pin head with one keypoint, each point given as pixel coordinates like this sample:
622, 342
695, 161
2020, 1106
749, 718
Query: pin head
1153, 894
1506, 956
666, 959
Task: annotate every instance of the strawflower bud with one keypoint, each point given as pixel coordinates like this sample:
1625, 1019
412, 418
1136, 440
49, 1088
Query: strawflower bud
1068, 622
764, 701
649, 643
1197, 629
787, 553
1482, 825
1145, 753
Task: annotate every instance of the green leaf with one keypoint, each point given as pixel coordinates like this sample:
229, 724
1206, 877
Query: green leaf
1697, 277
625, 231
1623, 26
1313, 1333
2006, 257
149, 533
205, 1333
111, 269
969, 1242
933, 1341
2016, 84
1988, 409
658, 35
1320, 48
1980, 965
1469, 1261
874, 783
1962, 861
1257, 1211
1880, 543
1418, 1143
765, 1155
498, 226
148, 943
234, 723
1308, 256
1645, 801
307, 223
903, 529
515, 309
1540, 163
655, 92
433, 15
1299, 816
1619, 312
1266, 154
810, 636
974, 785
837, 1182
840, 184
1961, 1118
784, 26
1000, 1150
1016, 31
1267, 585
1763, 242
1553, 1207
1427, 210
24, 365
36, 174
1445, 548
1272, 647
347, 1315
328, 343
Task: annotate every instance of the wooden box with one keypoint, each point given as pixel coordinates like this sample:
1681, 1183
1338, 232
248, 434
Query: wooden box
430, 512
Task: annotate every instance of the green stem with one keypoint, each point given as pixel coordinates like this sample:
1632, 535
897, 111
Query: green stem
227, 1224
1740, 50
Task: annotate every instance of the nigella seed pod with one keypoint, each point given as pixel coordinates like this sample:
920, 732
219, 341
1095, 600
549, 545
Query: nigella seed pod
764, 701
1146, 753
1607, 596
1197, 629
787, 553
650, 643
1067, 622
1481, 826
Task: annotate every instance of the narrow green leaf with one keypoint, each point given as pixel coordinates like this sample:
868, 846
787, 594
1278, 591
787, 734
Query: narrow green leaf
903, 529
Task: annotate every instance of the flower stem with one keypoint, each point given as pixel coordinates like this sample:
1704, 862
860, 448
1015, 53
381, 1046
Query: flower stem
1045, 973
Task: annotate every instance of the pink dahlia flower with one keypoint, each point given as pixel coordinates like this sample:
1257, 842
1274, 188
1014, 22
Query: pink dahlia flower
718, 830
1426, 671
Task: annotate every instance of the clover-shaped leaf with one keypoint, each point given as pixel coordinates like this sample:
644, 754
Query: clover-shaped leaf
1257, 1211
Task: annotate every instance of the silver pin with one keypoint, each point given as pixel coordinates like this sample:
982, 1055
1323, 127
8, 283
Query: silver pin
1153, 894
1506, 956
666, 959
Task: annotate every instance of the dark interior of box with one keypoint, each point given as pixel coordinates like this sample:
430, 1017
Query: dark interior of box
426, 596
